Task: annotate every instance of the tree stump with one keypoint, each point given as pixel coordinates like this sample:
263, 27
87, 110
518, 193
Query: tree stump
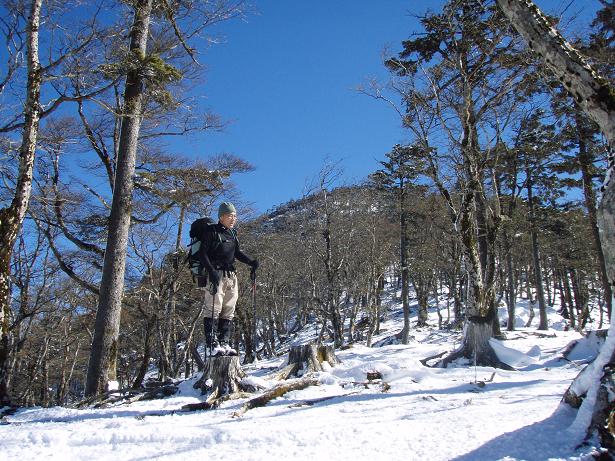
475, 346
309, 358
222, 375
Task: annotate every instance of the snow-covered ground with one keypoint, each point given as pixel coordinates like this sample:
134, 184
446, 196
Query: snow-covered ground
462, 413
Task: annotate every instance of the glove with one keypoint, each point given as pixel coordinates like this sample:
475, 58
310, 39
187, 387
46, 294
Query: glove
201, 281
214, 277
254, 265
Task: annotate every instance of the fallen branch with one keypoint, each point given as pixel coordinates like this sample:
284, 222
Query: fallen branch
127, 396
485, 381
437, 356
275, 392
212, 402
310, 402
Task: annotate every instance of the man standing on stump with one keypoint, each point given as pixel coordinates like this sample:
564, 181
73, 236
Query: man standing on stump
217, 254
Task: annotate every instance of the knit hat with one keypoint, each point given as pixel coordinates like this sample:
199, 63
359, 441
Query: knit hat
226, 208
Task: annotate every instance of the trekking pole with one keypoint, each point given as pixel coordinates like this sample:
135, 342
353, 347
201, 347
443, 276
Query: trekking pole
253, 278
209, 382
213, 291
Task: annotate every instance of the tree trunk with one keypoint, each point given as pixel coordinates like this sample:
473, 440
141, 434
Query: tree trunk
532, 314
563, 310
147, 353
457, 283
586, 162
66, 377
103, 356
540, 292
169, 327
511, 296
12, 217
580, 300
569, 300
196, 357
405, 279
422, 297
332, 308
480, 301
188, 340
547, 284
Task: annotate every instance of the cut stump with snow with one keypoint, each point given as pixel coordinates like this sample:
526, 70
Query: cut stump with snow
309, 358
475, 346
221, 374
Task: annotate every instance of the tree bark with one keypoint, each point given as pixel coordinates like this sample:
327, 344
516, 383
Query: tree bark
12, 217
102, 366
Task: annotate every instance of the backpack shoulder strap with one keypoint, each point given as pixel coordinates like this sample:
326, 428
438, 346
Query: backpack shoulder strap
211, 237
234, 232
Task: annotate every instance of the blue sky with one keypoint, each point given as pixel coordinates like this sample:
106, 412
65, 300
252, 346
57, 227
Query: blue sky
287, 78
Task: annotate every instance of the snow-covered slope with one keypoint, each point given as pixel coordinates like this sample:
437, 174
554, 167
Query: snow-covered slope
461, 413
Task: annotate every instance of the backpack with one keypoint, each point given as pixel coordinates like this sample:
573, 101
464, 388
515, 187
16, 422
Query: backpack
198, 230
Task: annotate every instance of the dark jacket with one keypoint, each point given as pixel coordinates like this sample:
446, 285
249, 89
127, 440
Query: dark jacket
220, 248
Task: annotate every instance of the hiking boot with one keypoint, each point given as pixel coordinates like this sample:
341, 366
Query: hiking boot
224, 335
216, 350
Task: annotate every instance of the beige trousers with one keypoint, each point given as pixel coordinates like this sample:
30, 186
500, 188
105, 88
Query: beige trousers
224, 300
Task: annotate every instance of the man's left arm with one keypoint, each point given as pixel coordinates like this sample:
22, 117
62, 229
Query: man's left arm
244, 258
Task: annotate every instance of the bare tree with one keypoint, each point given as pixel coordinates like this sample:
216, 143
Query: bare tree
146, 74
12, 216
398, 174
63, 43
454, 81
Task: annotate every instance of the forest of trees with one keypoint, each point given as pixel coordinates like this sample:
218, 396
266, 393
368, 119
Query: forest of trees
493, 198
